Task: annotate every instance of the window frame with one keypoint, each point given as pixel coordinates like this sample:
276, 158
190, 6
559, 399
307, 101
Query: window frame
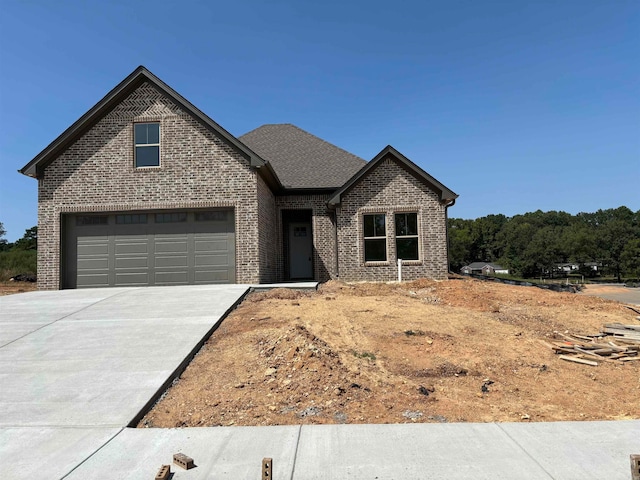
375, 237
415, 236
137, 145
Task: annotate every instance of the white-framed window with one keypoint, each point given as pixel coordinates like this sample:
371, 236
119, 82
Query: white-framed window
375, 237
407, 236
147, 144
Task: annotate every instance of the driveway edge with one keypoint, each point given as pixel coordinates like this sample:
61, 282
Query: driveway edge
183, 365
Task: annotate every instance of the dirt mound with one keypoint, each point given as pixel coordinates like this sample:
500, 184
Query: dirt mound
277, 294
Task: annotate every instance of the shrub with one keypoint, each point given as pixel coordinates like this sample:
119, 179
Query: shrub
15, 262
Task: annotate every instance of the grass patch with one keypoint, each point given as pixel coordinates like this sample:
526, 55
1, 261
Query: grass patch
367, 355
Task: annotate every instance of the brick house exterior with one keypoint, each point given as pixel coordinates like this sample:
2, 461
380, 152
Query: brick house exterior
268, 180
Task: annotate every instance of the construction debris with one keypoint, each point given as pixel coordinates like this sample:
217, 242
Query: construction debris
616, 343
628, 332
183, 461
164, 473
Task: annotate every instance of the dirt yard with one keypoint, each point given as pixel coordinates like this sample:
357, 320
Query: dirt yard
426, 351
9, 288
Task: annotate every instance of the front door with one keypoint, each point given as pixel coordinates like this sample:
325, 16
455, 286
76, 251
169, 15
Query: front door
300, 250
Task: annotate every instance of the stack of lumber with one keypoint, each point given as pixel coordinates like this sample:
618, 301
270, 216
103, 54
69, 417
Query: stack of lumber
616, 343
628, 332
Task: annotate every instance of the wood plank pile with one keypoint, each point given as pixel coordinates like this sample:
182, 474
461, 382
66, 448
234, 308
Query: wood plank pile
616, 343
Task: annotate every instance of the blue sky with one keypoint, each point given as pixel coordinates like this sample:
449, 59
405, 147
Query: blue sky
515, 105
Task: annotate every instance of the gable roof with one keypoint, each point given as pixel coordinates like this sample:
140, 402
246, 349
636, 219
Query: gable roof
481, 265
119, 93
302, 160
443, 192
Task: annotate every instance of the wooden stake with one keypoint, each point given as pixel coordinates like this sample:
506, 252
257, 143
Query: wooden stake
578, 360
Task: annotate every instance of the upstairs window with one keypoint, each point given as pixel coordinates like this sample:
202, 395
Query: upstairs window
407, 236
147, 144
375, 238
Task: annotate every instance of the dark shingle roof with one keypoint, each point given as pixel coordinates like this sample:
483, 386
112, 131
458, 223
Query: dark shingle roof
302, 160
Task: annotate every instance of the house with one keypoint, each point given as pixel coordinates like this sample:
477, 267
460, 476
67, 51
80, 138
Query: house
572, 267
145, 189
484, 268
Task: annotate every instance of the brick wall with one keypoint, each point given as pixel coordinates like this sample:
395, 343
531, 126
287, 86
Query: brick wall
198, 169
388, 189
323, 233
267, 225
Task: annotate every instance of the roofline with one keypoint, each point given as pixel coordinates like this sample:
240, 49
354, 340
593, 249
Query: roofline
113, 98
446, 195
307, 190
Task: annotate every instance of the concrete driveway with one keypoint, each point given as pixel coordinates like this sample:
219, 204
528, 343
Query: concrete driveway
76, 366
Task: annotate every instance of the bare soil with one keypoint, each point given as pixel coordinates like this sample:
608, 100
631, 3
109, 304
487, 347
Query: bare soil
460, 350
10, 288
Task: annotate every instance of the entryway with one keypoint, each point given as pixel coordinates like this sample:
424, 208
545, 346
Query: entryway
297, 242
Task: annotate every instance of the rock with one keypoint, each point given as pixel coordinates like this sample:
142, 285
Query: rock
270, 371
411, 414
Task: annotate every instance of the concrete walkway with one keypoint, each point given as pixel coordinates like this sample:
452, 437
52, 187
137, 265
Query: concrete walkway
511, 451
78, 366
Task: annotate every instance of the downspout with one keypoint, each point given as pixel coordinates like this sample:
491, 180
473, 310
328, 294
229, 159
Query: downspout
335, 247
446, 229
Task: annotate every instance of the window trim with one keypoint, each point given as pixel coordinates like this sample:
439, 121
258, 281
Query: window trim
136, 145
365, 238
416, 235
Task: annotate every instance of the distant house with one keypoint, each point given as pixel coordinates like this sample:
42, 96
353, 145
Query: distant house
567, 267
574, 267
484, 268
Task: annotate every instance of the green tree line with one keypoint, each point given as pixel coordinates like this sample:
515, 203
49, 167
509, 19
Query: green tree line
532, 244
19, 257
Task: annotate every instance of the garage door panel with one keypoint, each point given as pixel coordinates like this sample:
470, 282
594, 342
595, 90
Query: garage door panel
163, 261
171, 245
93, 280
93, 246
91, 263
122, 262
221, 260
212, 276
131, 279
212, 245
197, 248
172, 278
124, 246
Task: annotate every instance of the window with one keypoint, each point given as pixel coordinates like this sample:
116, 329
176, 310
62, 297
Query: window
174, 217
212, 216
375, 238
407, 236
92, 220
147, 141
131, 219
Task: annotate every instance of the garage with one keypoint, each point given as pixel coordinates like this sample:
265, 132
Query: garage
131, 249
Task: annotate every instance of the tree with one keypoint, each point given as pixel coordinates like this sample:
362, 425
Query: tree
460, 243
29, 241
630, 258
4, 245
